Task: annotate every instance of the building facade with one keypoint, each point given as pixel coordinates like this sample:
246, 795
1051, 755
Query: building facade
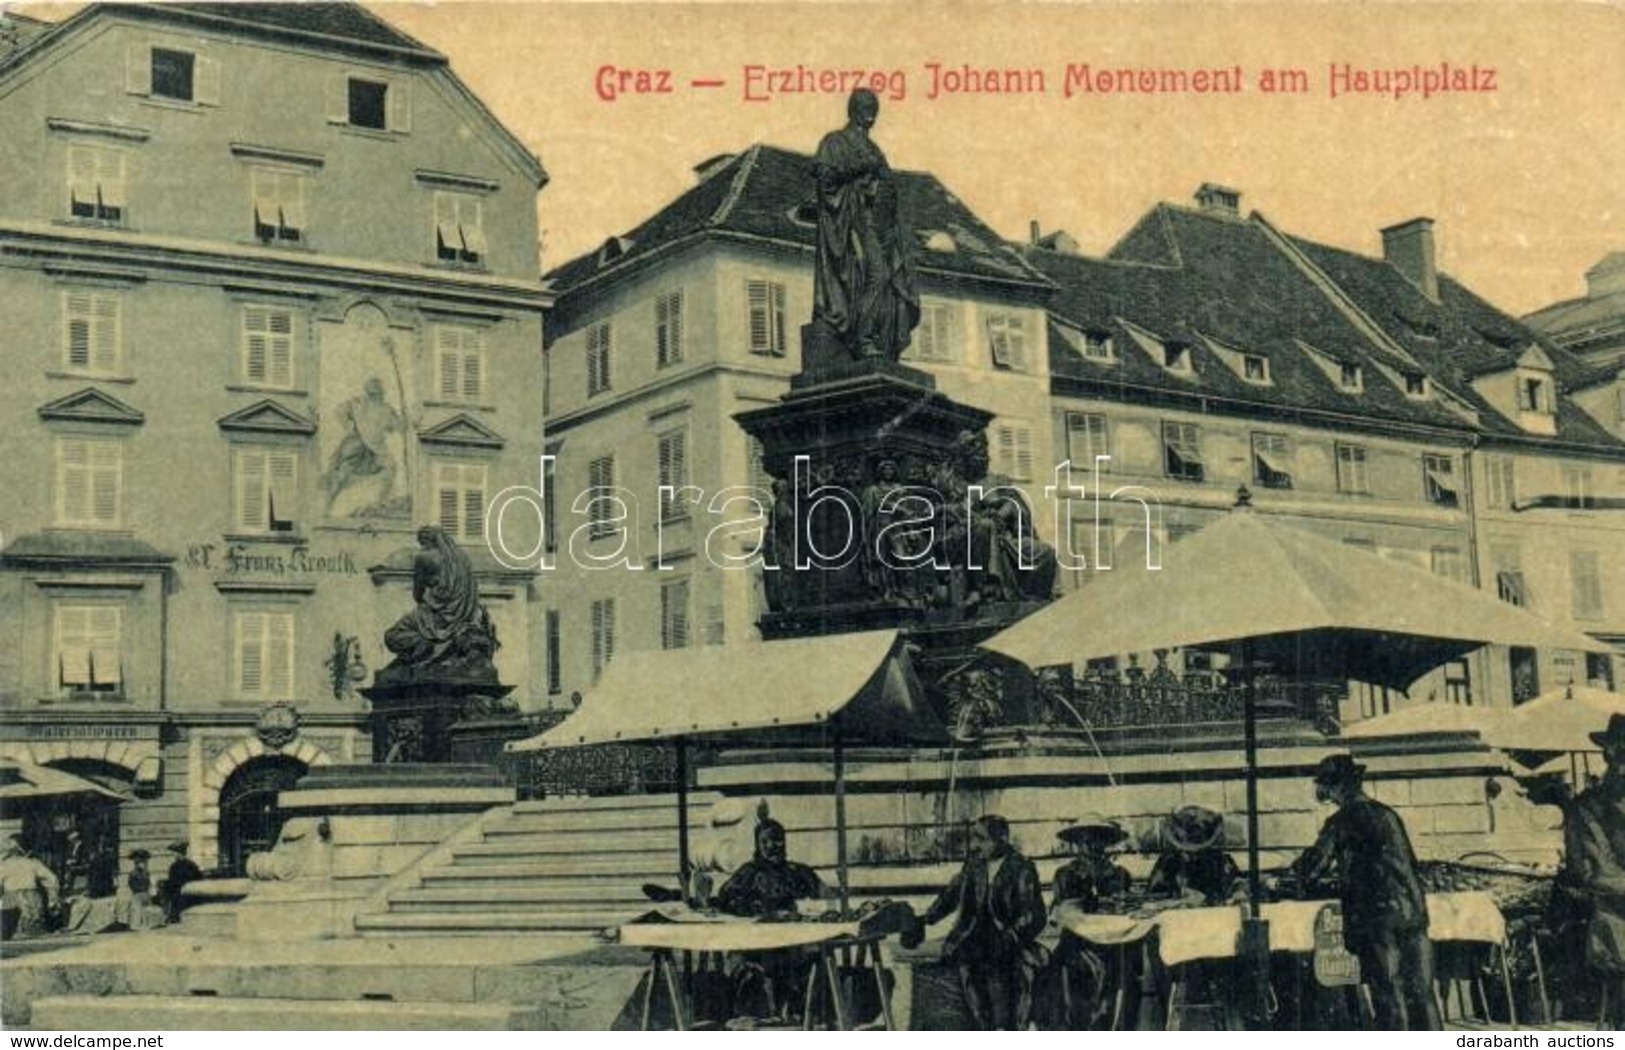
271, 300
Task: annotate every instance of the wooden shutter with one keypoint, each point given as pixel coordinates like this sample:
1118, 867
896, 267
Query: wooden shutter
278, 656
250, 646
105, 339
251, 489
473, 502
107, 481
105, 662
72, 645
446, 501
758, 295
282, 489
73, 480
471, 225
291, 194
138, 69
81, 175
448, 347
77, 311
338, 99
674, 615
672, 454
398, 106
205, 81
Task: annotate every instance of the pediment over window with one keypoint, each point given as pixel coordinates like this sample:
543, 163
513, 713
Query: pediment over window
1535, 357
462, 430
92, 406
267, 417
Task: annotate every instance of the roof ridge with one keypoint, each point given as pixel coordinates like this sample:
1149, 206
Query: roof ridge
736, 188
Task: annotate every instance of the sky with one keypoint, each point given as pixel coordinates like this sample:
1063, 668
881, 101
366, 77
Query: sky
1523, 181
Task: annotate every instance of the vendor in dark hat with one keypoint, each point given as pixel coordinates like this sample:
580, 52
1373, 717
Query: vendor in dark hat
1090, 875
1193, 860
1086, 978
1364, 852
1594, 865
172, 890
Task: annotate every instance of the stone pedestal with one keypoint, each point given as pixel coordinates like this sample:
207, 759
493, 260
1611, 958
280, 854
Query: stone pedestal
419, 720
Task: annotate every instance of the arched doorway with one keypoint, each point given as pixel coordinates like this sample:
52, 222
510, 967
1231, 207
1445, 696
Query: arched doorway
249, 818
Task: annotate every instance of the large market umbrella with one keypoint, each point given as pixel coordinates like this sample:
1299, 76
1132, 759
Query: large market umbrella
1266, 591
860, 686
1560, 720
1435, 717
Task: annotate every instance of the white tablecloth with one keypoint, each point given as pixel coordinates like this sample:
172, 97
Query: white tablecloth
691, 931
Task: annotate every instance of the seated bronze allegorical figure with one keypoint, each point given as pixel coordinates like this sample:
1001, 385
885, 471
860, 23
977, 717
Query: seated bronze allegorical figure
448, 635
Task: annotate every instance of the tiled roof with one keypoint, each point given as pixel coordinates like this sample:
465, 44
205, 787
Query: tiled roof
766, 193
18, 31
1457, 339
350, 22
1574, 318
1209, 279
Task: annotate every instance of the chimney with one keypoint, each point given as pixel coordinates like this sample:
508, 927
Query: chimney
1035, 232
1212, 197
1408, 247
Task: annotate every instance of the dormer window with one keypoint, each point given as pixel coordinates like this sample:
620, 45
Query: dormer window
1176, 357
1350, 378
1534, 394
1416, 385
1097, 346
1255, 369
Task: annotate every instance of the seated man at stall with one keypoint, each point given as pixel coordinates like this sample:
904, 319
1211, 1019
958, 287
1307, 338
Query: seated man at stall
768, 886
1086, 882
1194, 862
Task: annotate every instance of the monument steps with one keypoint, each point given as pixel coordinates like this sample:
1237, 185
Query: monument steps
443, 923
564, 864
522, 897
179, 1012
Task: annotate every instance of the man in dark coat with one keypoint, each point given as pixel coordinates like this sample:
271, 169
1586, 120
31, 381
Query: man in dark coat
1594, 865
998, 907
172, 890
1364, 851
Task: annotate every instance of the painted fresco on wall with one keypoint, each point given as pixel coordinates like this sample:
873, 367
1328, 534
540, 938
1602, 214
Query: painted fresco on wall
365, 373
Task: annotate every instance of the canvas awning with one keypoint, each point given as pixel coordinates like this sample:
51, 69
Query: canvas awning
21, 780
1489, 722
753, 688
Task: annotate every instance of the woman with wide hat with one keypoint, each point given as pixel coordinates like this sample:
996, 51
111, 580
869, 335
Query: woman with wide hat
1084, 977
1194, 861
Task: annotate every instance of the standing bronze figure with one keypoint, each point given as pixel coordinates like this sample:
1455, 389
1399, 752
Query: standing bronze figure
863, 276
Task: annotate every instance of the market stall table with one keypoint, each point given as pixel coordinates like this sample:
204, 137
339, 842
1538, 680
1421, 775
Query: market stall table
838, 945
1187, 935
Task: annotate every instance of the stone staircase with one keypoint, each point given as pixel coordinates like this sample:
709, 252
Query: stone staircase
553, 866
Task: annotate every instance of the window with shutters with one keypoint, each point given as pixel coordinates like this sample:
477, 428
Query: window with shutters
1353, 470
672, 457
1272, 460
92, 336
268, 347
1500, 482
1013, 451
172, 75
1585, 583
459, 228
1087, 438
87, 656
267, 490
674, 614
369, 103
933, 338
555, 654
279, 210
669, 329
89, 482
765, 303
1578, 493
263, 655
96, 184
1439, 481
1448, 562
1510, 583
601, 505
599, 344
459, 364
603, 636
1007, 341
1182, 451
459, 495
